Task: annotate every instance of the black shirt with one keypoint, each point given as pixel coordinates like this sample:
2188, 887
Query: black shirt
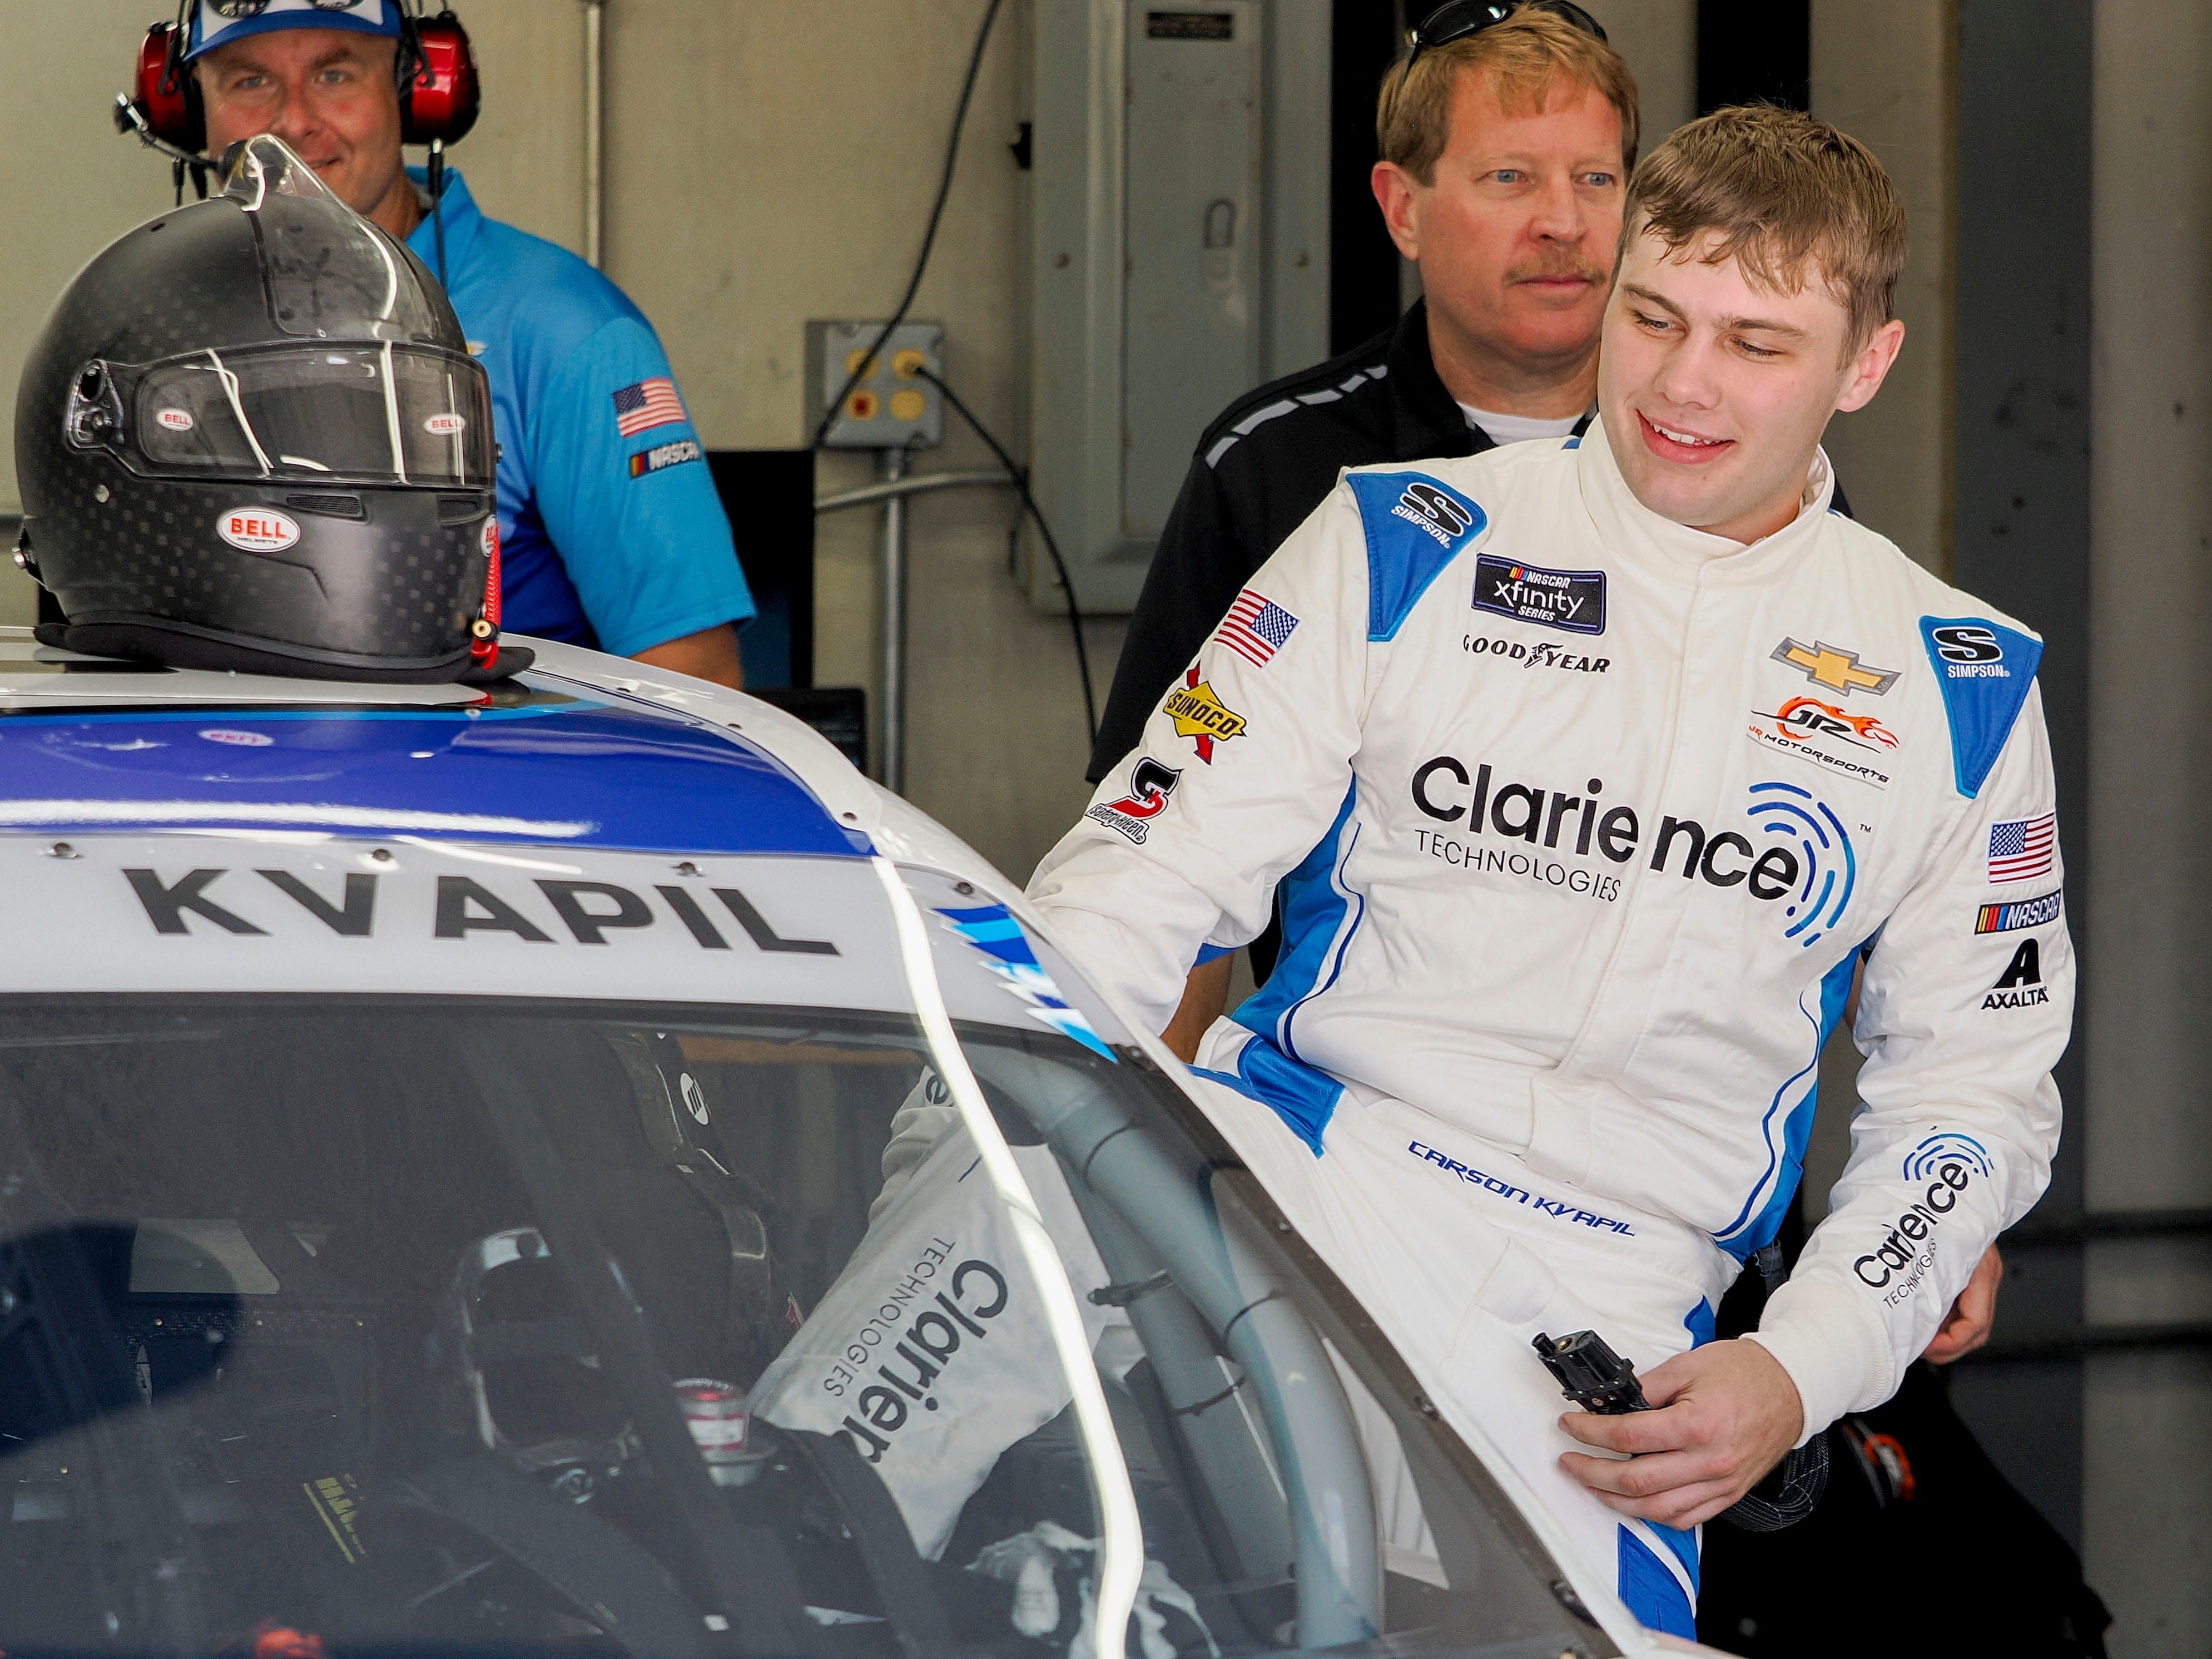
1259, 470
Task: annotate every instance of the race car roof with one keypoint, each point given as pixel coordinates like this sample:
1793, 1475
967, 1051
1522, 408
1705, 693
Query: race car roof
572, 755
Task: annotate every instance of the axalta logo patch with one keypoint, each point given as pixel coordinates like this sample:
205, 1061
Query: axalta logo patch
1200, 715
257, 529
445, 426
2020, 985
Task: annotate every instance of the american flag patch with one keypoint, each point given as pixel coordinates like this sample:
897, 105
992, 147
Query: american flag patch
2020, 848
1256, 628
647, 405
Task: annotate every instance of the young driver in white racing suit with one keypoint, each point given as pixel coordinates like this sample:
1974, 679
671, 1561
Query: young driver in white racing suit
1591, 774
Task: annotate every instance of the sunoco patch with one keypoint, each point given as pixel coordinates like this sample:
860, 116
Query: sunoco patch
1572, 599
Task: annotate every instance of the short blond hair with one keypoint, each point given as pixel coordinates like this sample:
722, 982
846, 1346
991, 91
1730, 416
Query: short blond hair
1782, 193
1524, 57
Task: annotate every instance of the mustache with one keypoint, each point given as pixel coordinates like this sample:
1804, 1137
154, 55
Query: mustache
1564, 263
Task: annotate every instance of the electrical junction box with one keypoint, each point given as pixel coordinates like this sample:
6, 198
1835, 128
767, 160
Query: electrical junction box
890, 406
1178, 242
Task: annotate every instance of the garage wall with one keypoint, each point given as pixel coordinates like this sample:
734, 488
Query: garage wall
1882, 70
762, 169
2148, 1466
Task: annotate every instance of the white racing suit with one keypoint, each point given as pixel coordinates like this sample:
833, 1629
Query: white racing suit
1581, 820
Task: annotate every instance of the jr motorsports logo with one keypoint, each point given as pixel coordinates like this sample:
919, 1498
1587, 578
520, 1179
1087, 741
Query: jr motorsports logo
1830, 737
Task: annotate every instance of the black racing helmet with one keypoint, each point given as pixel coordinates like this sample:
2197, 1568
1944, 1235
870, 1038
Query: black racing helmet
251, 436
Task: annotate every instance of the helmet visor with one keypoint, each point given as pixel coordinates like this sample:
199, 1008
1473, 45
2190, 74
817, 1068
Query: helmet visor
331, 274
381, 414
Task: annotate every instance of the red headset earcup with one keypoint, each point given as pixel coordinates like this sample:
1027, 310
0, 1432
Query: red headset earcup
167, 93
440, 98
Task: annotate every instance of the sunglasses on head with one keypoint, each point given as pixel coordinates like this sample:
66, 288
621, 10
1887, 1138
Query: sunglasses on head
1455, 20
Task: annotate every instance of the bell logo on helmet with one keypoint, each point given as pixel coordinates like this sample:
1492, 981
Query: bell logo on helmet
174, 420
257, 529
445, 426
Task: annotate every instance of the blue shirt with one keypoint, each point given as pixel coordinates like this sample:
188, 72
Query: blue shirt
611, 531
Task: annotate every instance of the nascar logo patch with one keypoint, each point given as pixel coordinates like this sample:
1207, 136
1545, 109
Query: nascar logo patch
663, 456
2020, 913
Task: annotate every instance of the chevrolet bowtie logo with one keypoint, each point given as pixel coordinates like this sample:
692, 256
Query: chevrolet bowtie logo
1839, 671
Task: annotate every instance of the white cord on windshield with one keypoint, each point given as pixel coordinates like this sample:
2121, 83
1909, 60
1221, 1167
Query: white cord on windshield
238, 410
391, 272
392, 415
1121, 1541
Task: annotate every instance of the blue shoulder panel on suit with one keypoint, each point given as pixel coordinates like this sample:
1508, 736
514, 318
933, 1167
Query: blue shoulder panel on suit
1986, 670
1415, 527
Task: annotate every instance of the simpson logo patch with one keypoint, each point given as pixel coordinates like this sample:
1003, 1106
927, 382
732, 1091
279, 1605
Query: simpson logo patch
663, 456
1434, 511
1201, 716
1572, 599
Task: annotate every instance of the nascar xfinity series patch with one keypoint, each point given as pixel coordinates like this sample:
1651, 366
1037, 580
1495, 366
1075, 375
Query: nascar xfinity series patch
1572, 599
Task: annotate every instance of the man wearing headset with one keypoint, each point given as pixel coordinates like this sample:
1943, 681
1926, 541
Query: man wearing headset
611, 532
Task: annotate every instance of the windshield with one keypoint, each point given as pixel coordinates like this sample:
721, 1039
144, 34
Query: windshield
333, 1322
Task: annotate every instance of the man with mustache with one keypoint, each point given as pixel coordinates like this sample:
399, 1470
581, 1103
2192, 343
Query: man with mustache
1507, 149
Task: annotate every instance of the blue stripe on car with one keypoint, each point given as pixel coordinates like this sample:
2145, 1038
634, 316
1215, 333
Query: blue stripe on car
582, 772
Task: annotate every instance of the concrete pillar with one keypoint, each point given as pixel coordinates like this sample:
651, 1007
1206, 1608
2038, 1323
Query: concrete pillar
2147, 1474
1883, 70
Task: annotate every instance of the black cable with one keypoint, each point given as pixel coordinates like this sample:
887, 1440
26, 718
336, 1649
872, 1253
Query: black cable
438, 207
1021, 477
928, 236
